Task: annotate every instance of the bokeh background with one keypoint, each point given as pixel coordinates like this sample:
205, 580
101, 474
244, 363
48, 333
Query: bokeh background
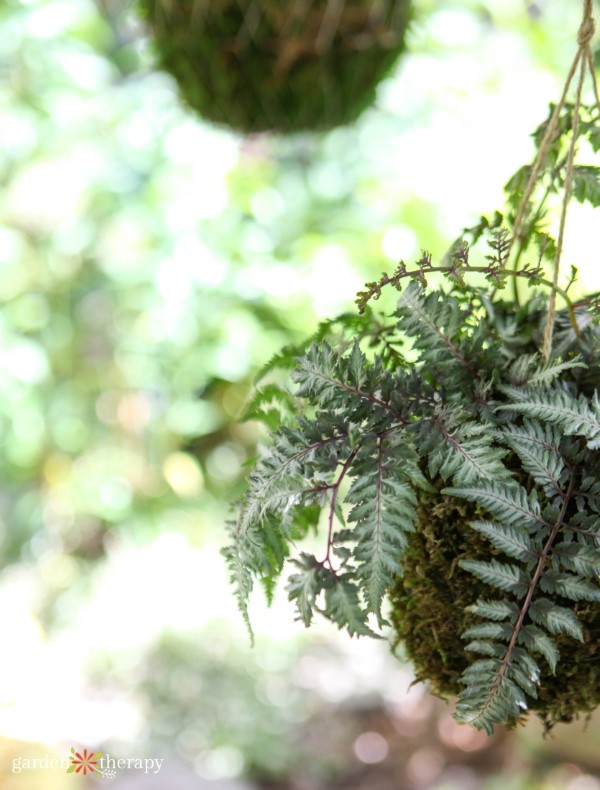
150, 264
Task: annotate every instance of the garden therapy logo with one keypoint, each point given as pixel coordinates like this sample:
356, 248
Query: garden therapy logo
84, 762
103, 766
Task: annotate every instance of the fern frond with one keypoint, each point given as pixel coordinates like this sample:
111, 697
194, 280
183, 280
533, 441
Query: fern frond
500, 244
435, 321
272, 405
538, 447
346, 382
581, 559
366, 432
536, 641
569, 586
304, 587
383, 498
493, 695
493, 630
531, 370
509, 578
574, 416
495, 610
240, 573
514, 542
460, 449
344, 608
258, 550
509, 503
287, 469
557, 619
586, 184
502, 693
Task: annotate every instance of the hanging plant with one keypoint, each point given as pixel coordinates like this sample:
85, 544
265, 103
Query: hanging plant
257, 65
451, 452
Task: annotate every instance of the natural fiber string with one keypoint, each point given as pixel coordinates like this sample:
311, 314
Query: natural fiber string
549, 328
583, 59
543, 149
594, 80
584, 53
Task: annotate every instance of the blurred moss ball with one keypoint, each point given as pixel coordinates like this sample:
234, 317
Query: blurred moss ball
280, 65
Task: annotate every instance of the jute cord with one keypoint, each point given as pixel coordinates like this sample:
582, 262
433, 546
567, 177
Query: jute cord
583, 60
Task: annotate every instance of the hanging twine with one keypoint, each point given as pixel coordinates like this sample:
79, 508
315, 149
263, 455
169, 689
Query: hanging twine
583, 60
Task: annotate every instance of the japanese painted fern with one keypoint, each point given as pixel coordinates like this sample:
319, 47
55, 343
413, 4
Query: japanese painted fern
444, 405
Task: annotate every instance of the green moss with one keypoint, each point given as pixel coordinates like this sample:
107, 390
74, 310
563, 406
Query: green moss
277, 65
429, 613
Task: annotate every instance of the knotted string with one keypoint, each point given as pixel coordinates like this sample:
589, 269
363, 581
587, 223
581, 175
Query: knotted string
585, 61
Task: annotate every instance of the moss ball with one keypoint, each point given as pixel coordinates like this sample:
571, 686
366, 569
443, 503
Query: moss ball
275, 64
429, 613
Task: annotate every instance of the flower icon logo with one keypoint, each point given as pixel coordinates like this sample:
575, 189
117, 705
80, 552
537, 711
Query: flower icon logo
84, 762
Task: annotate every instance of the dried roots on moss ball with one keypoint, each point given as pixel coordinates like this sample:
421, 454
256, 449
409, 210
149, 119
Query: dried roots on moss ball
274, 64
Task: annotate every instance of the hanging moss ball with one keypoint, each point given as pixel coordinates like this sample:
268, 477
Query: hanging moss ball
460, 446
257, 65
430, 613
431, 603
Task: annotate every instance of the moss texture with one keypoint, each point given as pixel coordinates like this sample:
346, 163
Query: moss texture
429, 613
278, 65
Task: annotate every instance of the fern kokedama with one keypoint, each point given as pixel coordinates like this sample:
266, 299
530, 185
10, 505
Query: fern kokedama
258, 65
452, 467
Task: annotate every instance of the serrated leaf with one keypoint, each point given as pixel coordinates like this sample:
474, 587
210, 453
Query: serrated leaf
556, 619
495, 610
260, 405
491, 695
383, 513
479, 668
462, 450
489, 631
537, 446
533, 371
580, 558
586, 184
342, 606
283, 360
240, 577
356, 364
498, 574
575, 416
524, 680
434, 321
539, 642
508, 503
569, 586
513, 542
484, 647
303, 587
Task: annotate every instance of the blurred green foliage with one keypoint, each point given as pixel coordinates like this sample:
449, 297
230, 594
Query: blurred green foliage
150, 264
